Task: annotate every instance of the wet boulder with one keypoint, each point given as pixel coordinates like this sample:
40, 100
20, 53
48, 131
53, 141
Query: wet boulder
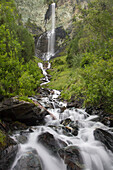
105, 137
13, 110
48, 140
8, 151
72, 157
22, 139
29, 161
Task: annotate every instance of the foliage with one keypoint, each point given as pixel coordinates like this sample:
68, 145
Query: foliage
19, 72
88, 73
27, 43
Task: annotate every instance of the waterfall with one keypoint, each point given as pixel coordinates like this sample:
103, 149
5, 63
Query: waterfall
51, 35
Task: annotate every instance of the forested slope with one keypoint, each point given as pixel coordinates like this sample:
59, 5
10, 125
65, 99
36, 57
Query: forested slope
86, 72
19, 72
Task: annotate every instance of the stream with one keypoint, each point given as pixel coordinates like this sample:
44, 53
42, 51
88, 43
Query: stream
70, 136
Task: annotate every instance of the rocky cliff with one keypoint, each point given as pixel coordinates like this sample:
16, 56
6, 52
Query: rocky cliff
36, 11
39, 12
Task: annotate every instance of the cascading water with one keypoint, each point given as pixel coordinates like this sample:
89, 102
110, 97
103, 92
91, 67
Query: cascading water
51, 35
93, 152
45, 79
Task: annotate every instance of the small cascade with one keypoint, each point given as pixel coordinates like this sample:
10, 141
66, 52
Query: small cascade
51, 35
45, 79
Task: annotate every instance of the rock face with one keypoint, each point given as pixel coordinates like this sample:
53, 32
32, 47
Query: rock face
41, 45
105, 137
72, 158
39, 10
25, 112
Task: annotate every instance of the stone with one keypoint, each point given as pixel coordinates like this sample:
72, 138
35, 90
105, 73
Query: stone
22, 111
49, 141
72, 158
29, 161
105, 137
22, 139
8, 151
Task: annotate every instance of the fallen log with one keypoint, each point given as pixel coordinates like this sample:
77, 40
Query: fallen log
42, 107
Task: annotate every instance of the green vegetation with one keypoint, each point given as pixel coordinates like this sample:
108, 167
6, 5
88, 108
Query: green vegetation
25, 98
19, 72
2, 139
87, 72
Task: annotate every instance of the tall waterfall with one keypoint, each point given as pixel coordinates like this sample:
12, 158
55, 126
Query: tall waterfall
51, 35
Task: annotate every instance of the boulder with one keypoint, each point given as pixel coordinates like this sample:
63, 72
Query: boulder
14, 110
22, 139
105, 137
8, 151
29, 161
49, 141
72, 158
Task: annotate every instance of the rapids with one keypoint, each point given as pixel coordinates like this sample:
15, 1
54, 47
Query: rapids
95, 155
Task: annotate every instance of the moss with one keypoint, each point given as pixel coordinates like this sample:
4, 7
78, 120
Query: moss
2, 139
25, 98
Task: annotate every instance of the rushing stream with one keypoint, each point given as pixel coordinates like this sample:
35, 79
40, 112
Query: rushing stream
94, 153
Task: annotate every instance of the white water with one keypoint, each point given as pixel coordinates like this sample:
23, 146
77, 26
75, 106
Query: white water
45, 79
51, 35
95, 155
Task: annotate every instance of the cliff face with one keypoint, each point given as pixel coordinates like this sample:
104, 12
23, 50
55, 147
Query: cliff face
37, 9
39, 12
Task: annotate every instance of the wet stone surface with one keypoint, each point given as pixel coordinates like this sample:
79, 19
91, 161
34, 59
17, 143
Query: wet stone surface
29, 161
49, 141
105, 137
72, 158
